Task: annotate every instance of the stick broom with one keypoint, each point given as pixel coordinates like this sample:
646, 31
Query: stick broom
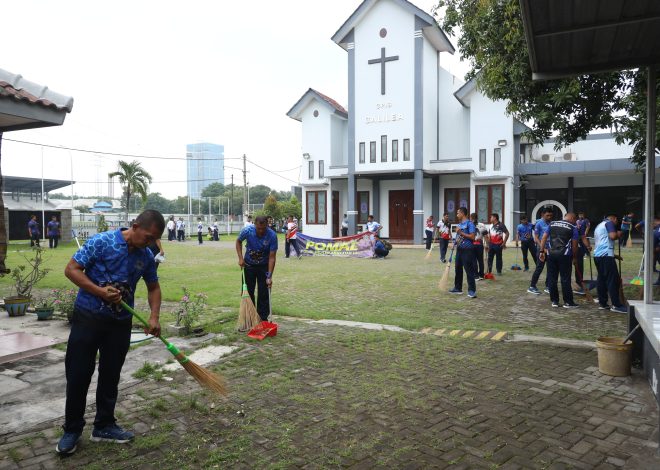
444, 280
204, 377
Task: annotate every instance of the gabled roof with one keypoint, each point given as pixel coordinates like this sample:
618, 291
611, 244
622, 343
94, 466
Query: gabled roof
463, 93
16, 87
431, 30
310, 95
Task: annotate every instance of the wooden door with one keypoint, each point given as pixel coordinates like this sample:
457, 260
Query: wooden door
401, 215
335, 214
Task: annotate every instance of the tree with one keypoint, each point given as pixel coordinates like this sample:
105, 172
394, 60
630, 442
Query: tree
213, 190
291, 207
492, 39
134, 179
272, 208
258, 194
82, 209
157, 202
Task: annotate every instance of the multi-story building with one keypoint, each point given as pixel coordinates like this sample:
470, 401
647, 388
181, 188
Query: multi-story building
416, 141
205, 164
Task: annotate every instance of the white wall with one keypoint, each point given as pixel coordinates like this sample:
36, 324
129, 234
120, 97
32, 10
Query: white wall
317, 230
488, 125
430, 102
316, 139
454, 120
591, 149
338, 147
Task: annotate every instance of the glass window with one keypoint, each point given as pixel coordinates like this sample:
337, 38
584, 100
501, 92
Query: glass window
455, 198
372, 152
395, 150
383, 148
490, 199
321, 171
497, 159
316, 207
363, 206
361, 152
406, 150
482, 160
311, 170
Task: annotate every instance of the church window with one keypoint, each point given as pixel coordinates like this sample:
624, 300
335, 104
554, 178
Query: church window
395, 150
383, 148
316, 207
406, 150
362, 152
321, 172
372, 152
316, 113
497, 159
311, 170
363, 206
482, 159
490, 199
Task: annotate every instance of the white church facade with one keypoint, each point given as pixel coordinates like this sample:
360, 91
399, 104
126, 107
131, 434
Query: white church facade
415, 141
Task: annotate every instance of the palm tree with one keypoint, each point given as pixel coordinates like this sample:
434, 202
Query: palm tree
134, 179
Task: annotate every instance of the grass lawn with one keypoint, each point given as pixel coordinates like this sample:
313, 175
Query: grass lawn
400, 290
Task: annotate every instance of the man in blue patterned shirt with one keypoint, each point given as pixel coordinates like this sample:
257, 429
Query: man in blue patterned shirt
464, 255
106, 269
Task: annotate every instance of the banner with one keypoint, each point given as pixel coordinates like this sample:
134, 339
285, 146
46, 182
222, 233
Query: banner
355, 246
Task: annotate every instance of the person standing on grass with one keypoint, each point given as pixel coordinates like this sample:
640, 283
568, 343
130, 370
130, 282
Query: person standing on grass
106, 269
524, 237
430, 228
216, 231
259, 260
344, 226
171, 229
608, 280
498, 235
53, 232
200, 231
583, 224
626, 227
444, 236
34, 234
180, 230
291, 238
539, 229
478, 247
562, 238
464, 258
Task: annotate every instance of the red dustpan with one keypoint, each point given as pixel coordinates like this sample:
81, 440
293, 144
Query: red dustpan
490, 276
262, 330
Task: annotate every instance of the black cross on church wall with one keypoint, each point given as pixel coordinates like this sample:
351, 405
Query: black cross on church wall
382, 61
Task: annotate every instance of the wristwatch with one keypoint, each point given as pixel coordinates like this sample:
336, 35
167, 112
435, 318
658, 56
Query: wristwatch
268, 274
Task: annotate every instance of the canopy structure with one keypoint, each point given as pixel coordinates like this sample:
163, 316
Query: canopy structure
567, 38
17, 185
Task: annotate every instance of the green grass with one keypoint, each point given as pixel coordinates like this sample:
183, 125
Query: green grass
401, 290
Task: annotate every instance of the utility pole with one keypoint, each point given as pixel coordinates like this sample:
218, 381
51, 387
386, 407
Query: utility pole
245, 200
231, 201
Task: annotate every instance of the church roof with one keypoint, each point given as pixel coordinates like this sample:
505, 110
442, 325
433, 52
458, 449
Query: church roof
312, 94
432, 31
16, 87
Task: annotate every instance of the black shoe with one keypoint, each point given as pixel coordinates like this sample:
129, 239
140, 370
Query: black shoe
68, 443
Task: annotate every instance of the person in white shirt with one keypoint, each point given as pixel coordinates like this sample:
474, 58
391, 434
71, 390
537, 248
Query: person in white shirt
171, 233
200, 231
248, 222
291, 239
180, 230
344, 226
216, 231
444, 236
373, 227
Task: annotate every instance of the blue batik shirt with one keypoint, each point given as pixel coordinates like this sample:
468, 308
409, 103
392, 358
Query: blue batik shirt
540, 228
525, 231
257, 249
468, 228
105, 258
33, 225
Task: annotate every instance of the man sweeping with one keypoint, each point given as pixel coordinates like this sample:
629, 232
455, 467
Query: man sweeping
608, 280
258, 261
539, 228
464, 254
106, 269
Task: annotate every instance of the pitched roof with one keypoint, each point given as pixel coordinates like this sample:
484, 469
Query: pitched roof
432, 31
308, 96
15, 87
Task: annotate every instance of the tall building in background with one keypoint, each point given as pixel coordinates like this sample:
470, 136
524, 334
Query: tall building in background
205, 165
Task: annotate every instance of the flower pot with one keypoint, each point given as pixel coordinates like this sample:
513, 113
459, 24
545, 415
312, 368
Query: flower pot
16, 306
44, 313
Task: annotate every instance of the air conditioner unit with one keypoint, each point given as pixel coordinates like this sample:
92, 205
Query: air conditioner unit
569, 157
545, 157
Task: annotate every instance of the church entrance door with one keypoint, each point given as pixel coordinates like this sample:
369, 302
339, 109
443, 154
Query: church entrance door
401, 215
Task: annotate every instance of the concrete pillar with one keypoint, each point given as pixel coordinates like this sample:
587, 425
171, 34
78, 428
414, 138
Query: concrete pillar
375, 185
418, 211
570, 195
351, 211
435, 198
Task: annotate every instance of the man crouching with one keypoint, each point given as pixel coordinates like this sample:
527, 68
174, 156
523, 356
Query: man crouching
107, 269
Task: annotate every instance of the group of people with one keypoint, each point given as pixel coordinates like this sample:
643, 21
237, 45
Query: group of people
53, 232
176, 229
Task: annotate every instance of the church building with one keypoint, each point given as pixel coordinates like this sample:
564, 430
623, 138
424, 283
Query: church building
414, 140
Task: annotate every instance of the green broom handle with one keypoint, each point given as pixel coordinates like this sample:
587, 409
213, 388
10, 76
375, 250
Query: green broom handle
170, 347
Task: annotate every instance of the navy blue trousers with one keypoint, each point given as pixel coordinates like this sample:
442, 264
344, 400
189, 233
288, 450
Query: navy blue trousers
495, 251
256, 276
465, 260
559, 266
608, 280
528, 246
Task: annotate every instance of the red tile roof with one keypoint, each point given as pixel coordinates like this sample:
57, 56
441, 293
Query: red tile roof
331, 102
16, 87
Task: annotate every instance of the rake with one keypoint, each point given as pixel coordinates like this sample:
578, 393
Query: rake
204, 377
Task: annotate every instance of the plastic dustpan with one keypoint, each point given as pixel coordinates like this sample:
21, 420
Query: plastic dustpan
489, 276
262, 330
516, 267
637, 281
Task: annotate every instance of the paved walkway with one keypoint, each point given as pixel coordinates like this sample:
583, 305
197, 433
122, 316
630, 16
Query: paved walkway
321, 396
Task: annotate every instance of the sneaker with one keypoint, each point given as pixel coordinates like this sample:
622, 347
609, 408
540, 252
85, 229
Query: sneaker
478, 278
455, 291
526, 269
68, 443
604, 307
112, 433
573, 305
546, 290
499, 273
620, 309
443, 260
533, 290
555, 304
472, 294
578, 291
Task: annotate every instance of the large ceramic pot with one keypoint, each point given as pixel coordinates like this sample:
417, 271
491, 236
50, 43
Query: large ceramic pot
16, 306
44, 313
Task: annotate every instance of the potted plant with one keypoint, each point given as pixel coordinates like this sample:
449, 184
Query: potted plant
64, 301
25, 277
44, 309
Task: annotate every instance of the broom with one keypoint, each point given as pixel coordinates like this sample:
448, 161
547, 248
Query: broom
622, 297
248, 317
444, 280
587, 294
639, 280
204, 377
515, 266
428, 254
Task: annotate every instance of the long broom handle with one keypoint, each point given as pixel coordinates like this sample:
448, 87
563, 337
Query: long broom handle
170, 347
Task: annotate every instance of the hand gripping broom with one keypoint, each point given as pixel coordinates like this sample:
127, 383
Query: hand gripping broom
248, 317
444, 280
204, 377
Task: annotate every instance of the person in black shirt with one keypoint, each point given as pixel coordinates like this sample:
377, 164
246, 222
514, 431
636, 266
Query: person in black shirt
562, 237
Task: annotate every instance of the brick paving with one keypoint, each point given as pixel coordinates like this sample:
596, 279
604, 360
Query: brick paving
320, 396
